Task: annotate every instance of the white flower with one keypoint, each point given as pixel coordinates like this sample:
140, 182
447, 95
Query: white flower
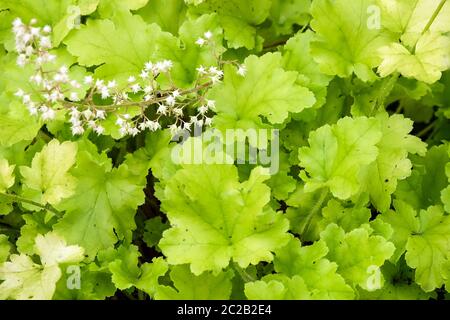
153, 125
178, 112
105, 93
200, 41
74, 112
99, 84
45, 43
47, 113
112, 84
77, 130
17, 23
208, 35
47, 29
171, 101
99, 130
74, 96
100, 114
202, 70
202, 109
242, 70
144, 75
88, 80
208, 121
149, 66
176, 93
133, 131
26, 99
87, 114
148, 97
135, 88
211, 104
75, 84
131, 79
21, 60
33, 21
148, 89
19, 93
162, 109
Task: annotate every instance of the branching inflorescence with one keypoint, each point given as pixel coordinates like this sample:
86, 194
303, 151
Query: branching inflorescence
182, 109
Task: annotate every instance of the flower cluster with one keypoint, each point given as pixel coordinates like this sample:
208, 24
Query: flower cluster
90, 101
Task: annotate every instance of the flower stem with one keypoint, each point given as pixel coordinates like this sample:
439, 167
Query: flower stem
434, 16
16, 198
244, 274
314, 211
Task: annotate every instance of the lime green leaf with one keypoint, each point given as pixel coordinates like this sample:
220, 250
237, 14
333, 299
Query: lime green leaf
168, 14
238, 19
266, 90
398, 285
358, 254
17, 125
124, 56
407, 19
5, 248
45, 11
35, 224
338, 153
392, 163
297, 57
215, 218
445, 194
126, 273
6, 175
318, 273
24, 279
404, 223
287, 13
277, 287
48, 180
430, 58
345, 44
188, 286
423, 188
154, 229
105, 201
348, 218
428, 250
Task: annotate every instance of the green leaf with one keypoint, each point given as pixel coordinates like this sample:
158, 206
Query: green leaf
45, 11
392, 163
445, 194
428, 249
265, 91
124, 56
168, 14
127, 274
277, 287
407, 19
285, 14
7, 177
187, 286
17, 125
338, 154
430, 59
358, 254
297, 57
5, 248
48, 179
24, 279
345, 44
319, 274
238, 19
105, 201
154, 229
215, 218
423, 188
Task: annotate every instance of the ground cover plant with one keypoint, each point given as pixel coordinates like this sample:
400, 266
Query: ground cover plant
224, 149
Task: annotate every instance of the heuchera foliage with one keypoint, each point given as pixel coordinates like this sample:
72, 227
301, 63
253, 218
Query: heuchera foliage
93, 207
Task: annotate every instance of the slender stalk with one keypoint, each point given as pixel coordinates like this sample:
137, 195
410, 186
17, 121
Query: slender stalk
434, 16
244, 274
431, 21
426, 130
314, 211
16, 198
